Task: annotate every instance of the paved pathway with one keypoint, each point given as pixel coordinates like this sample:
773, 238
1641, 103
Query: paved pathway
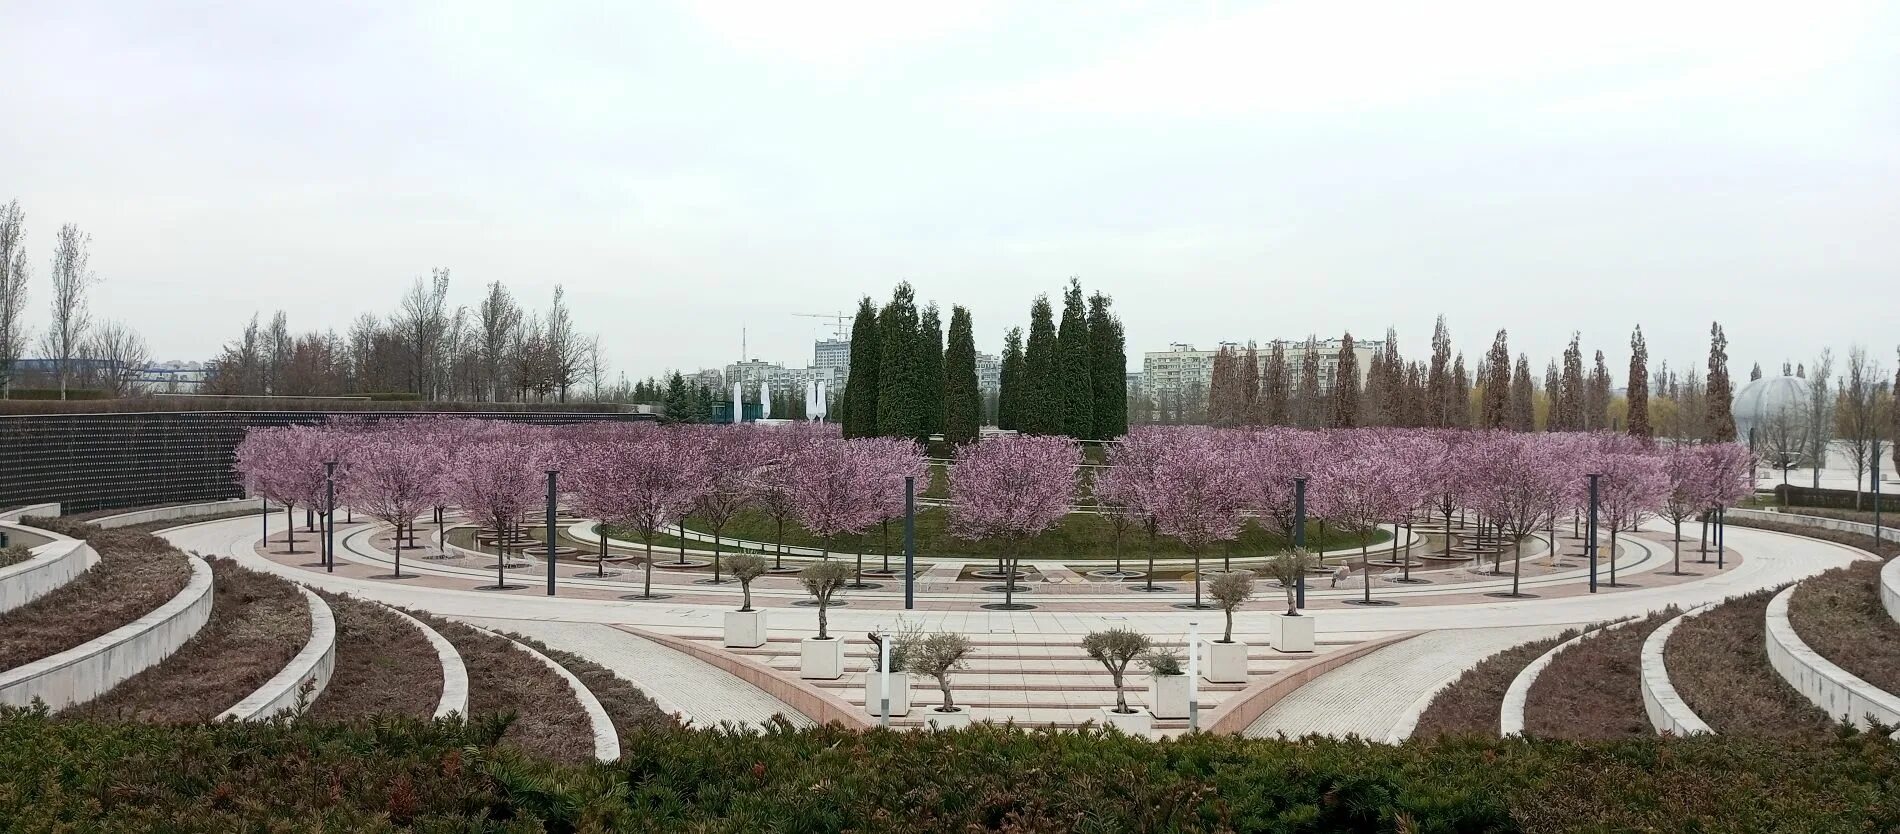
709, 695
1378, 696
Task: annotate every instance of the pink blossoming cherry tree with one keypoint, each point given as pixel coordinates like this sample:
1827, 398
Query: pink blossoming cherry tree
1010, 490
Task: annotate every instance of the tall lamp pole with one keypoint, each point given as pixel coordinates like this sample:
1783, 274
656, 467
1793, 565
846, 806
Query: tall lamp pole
1590, 534
329, 517
552, 473
910, 542
1299, 539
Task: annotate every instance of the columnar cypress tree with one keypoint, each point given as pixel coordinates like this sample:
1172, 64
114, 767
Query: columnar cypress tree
1040, 411
1075, 366
1109, 369
1523, 396
859, 406
930, 371
1496, 413
1346, 386
1011, 382
1459, 405
1639, 387
1438, 396
1306, 398
900, 411
1275, 388
1721, 400
1569, 416
962, 402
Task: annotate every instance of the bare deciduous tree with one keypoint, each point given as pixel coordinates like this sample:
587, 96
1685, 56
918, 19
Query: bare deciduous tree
1820, 413
500, 322
119, 358
13, 275
1860, 418
72, 275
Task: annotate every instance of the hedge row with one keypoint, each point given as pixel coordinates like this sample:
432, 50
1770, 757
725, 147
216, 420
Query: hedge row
404, 774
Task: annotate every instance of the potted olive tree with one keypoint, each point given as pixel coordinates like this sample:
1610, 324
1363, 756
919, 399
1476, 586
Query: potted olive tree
822, 657
745, 628
1115, 648
1291, 631
1167, 683
1227, 657
937, 656
904, 641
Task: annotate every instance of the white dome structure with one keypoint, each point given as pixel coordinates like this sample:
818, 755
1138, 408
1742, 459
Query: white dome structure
1772, 404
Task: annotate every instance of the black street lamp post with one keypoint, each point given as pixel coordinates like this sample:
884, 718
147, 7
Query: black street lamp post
910, 542
329, 517
1590, 532
1299, 538
552, 524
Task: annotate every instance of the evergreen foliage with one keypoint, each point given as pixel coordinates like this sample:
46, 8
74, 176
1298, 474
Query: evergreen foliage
1013, 380
861, 387
1074, 366
1639, 387
1496, 413
1109, 369
900, 404
1721, 398
1040, 410
962, 402
930, 372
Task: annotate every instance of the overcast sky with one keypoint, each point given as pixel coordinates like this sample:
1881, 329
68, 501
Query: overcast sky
1225, 171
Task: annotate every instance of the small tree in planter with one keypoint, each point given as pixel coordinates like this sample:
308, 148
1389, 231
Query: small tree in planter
1226, 657
822, 657
904, 640
1295, 633
1167, 683
937, 656
1115, 648
745, 628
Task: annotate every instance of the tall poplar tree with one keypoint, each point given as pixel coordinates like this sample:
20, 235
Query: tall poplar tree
1438, 396
1523, 396
900, 407
1108, 354
859, 406
1306, 398
1459, 405
1275, 388
1075, 366
1040, 411
930, 371
1553, 388
1721, 399
962, 401
1223, 383
1639, 387
1250, 385
1496, 413
1346, 386
1597, 396
1011, 382
1569, 413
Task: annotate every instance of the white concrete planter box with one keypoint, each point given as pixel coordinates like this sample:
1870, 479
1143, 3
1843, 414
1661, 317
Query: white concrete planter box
1225, 662
821, 660
745, 629
1295, 633
874, 693
1137, 723
1168, 696
935, 718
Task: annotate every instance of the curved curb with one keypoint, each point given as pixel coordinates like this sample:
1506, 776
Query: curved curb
1511, 710
454, 672
1235, 714
181, 512
90, 669
53, 565
813, 702
19, 514
1890, 588
314, 664
1835, 690
1668, 713
606, 741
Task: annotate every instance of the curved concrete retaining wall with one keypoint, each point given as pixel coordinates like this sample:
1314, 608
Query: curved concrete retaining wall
1889, 575
1668, 713
1833, 689
53, 565
87, 671
17, 513
454, 673
178, 511
606, 741
1238, 712
313, 665
1890, 588
1511, 711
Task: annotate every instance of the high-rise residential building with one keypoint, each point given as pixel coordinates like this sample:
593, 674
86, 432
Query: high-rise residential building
1181, 368
989, 372
834, 354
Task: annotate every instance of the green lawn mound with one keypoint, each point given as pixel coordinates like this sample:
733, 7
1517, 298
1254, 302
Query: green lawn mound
1079, 536
405, 774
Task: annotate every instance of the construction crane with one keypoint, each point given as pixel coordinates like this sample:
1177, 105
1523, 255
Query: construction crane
839, 329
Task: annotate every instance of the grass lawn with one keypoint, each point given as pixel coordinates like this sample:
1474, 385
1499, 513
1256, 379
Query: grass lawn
1079, 536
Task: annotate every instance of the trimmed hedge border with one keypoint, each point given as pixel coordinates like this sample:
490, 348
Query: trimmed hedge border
311, 666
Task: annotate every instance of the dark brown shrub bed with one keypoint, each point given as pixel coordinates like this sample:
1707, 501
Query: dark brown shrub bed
1593, 690
1838, 614
258, 623
629, 708
1471, 703
502, 679
1719, 665
384, 665
136, 573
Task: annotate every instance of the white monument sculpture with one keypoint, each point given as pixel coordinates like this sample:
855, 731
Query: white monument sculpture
765, 400
738, 404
